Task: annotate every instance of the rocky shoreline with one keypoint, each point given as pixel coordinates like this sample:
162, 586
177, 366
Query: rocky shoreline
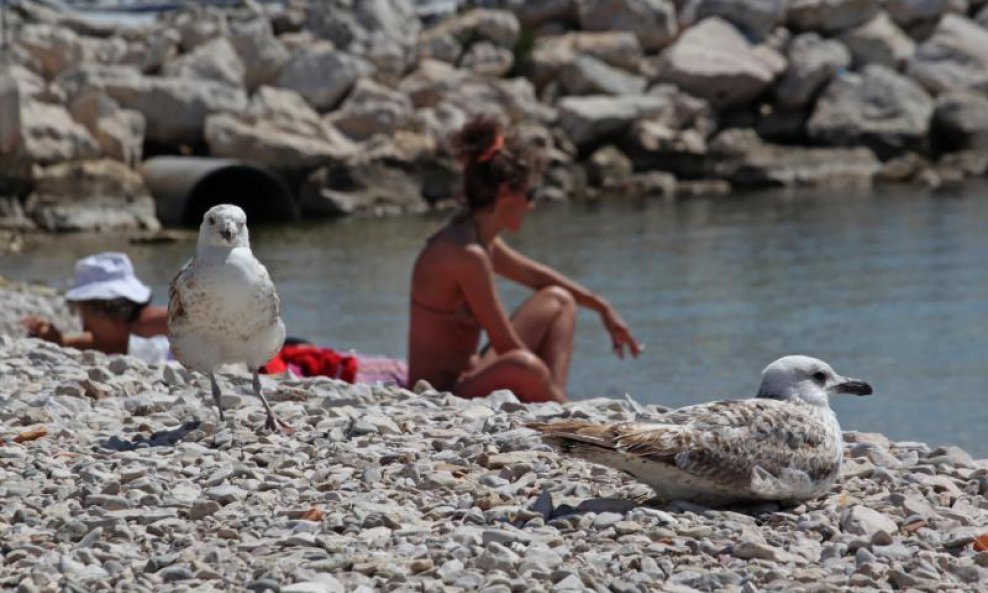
115, 475
351, 101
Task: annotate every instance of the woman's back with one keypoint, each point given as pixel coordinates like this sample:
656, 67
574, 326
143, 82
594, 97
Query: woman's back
444, 333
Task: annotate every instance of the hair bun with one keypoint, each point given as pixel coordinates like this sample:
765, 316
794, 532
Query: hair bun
478, 141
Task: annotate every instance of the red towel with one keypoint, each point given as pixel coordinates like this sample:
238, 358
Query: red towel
313, 361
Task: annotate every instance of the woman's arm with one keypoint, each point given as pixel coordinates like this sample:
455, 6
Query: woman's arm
475, 275
528, 272
523, 270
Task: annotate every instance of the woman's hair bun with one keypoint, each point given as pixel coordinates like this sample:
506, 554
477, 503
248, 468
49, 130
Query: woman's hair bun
477, 139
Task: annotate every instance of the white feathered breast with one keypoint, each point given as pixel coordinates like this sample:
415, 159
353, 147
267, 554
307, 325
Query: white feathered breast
224, 310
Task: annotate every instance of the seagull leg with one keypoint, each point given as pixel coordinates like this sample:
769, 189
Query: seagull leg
216, 395
273, 422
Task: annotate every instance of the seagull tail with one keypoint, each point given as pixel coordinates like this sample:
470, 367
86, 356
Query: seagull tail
582, 439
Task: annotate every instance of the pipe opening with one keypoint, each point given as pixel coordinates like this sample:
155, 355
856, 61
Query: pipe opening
184, 188
263, 197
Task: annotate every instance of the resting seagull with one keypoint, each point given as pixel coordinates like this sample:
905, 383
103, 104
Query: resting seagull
223, 307
783, 445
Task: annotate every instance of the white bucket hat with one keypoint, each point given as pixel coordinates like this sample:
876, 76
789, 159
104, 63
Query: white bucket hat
107, 276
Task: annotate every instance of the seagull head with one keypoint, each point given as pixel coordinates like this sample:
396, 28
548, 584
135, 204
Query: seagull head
224, 226
807, 379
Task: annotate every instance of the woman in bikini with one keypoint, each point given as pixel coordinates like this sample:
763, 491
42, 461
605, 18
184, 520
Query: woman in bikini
454, 296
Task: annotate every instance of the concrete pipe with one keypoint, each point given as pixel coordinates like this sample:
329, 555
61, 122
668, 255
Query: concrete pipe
185, 187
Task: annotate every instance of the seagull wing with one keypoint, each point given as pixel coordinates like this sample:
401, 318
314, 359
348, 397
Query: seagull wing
774, 448
176, 309
267, 293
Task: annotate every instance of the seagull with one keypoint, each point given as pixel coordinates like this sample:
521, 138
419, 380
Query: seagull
223, 307
783, 445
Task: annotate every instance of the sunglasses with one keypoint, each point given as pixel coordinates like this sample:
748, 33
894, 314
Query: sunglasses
528, 192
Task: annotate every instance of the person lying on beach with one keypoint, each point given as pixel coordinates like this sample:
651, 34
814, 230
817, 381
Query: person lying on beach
454, 297
115, 309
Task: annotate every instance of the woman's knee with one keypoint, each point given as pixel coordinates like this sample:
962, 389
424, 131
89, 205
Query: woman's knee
527, 363
560, 296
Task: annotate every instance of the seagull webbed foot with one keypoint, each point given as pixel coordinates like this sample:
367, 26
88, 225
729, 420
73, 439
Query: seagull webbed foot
275, 424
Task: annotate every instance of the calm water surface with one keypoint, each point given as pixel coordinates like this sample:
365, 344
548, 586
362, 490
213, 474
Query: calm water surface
889, 286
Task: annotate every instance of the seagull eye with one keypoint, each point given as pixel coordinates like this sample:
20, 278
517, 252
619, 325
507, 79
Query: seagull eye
820, 376
212, 220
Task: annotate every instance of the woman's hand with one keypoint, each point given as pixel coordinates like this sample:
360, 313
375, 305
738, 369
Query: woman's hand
38, 327
620, 334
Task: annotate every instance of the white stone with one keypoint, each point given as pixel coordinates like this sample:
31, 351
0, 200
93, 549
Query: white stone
862, 520
714, 61
954, 58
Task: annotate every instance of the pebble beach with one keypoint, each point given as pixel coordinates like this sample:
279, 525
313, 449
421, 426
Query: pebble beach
116, 475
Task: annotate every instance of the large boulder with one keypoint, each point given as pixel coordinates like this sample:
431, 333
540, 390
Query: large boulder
262, 54
440, 121
216, 61
552, 54
654, 145
162, 47
33, 132
43, 133
674, 138
386, 177
28, 84
53, 48
954, 58
91, 196
829, 16
279, 130
119, 132
287, 110
431, 81
383, 31
607, 166
440, 46
500, 27
372, 109
742, 158
755, 18
322, 75
813, 61
175, 109
488, 59
714, 61
879, 41
596, 119
620, 49
197, 24
586, 75
960, 122
435, 82
652, 21
879, 108
910, 12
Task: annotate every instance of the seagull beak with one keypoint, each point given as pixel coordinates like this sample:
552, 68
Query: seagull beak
853, 387
227, 233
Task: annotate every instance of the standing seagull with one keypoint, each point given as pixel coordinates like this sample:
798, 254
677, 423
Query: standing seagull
223, 307
783, 445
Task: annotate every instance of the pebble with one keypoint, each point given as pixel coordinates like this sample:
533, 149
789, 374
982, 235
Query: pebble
407, 493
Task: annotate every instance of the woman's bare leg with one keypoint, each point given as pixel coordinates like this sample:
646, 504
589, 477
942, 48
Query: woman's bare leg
546, 323
524, 373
